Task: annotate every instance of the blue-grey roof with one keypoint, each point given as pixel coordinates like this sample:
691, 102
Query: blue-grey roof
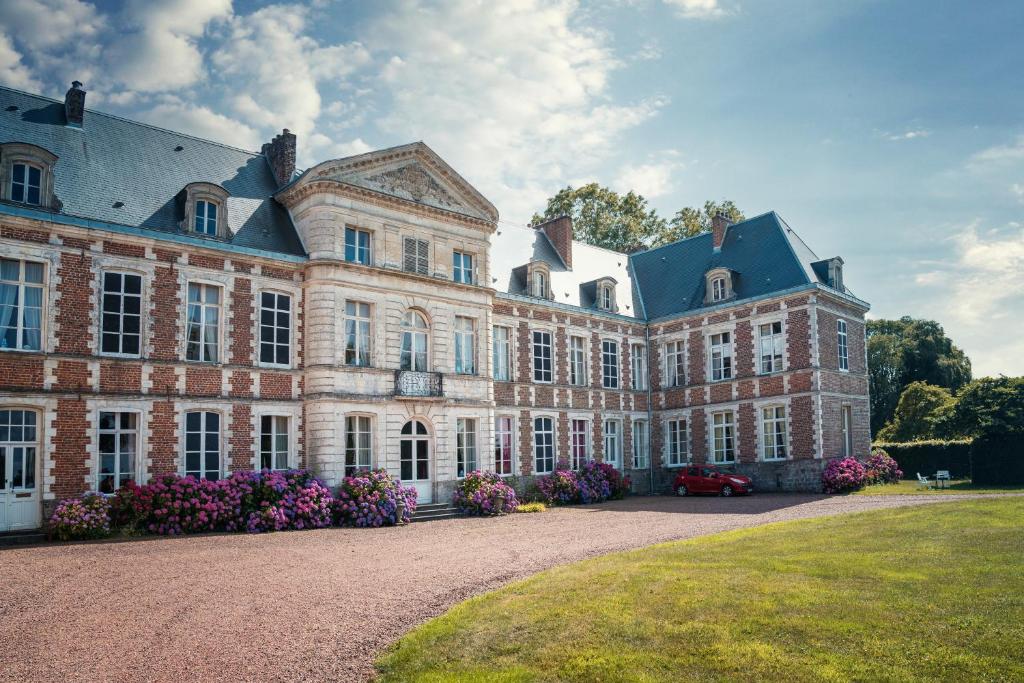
111, 159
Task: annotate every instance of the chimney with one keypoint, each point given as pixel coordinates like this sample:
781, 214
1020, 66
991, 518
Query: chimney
74, 105
280, 153
719, 224
559, 231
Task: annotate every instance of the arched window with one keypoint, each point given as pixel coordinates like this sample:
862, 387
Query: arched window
414, 342
26, 175
540, 284
607, 298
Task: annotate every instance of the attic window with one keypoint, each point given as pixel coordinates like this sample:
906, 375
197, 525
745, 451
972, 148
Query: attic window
206, 217
718, 289
538, 280
26, 183
718, 286
27, 174
540, 283
206, 210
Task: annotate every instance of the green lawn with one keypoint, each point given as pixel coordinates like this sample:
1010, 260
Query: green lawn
955, 486
920, 593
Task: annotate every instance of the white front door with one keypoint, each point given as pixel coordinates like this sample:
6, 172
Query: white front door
19, 464
415, 460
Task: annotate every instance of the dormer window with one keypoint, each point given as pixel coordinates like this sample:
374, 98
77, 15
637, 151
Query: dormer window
540, 284
607, 297
206, 210
604, 294
718, 289
206, 217
27, 175
718, 286
26, 183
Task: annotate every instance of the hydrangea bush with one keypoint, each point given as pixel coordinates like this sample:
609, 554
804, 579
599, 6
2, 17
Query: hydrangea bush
599, 481
478, 494
561, 486
78, 519
370, 499
174, 505
279, 501
882, 469
844, 474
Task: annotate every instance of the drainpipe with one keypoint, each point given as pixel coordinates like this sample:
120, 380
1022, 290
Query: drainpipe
650, 410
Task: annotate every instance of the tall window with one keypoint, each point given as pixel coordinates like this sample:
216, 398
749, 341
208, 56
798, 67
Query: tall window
18, 439
414, 342
613, 442
844, 354
542, 356
847, 427
273, 442
540, 284
610, 364
675, 364
503, 445
771, 344
275, 328
676, 444
723, 437
638, 354
416, 256
773, 433
462, 267
577, 361
607, 297
118, 443
26, 181
543, 445
206, 217
122, 314
202, 445
718, 289
579, 442
203, 323
465, 346
721, 356
465, 446
358, 444
357, 334
502, 353
21, 304
641, 444
357, 246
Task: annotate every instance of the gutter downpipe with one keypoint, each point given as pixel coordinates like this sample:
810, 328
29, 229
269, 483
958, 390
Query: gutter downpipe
650, 411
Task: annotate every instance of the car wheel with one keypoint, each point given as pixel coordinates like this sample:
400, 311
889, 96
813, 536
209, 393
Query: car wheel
726, 490
681, 491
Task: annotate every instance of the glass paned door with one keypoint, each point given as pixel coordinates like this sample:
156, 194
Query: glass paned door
414, 450
19, 462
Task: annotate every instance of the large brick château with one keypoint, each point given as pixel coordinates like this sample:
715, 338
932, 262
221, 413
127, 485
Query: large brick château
170, 304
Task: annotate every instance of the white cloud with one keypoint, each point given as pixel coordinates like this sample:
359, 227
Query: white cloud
697, 9
651, 180
201, 122
1018, 190
908, 135
44, 24
999, 154
13, 72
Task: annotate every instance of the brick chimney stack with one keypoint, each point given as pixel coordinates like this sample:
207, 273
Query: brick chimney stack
74, 105
559, 231
280, 153
719, 225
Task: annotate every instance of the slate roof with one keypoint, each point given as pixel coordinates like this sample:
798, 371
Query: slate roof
111, 159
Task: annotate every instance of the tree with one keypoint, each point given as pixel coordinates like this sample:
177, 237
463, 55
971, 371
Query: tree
605, 218
689, 222
990, 405
908, 350
920, 413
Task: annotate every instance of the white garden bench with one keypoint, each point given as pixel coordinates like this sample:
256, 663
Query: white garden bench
922, 482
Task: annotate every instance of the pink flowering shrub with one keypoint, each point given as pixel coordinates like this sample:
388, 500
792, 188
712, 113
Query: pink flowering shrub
77, 519
279, 501
561, 486
370, 499
882, 469
478, 494
843, 474
599, 481
175, 505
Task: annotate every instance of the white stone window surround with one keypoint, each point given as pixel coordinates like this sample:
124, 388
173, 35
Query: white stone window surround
188, 275
550, 331
612, 437
224, 410
667, 365
553, 416
294, 415
605, 294
533, 285
46, 429
142, 409
475, 273
709, 421
766, 319
12, 153
642, 461
774, 402
709, 332
371, 232
639, 376
293, 310
470, 426
459, 339
675, 416
513, 442
588, 438
510, 354
213, 194
429, 332
711, 276
50, 258
584, 374
843, 344
608, 380
374, 453
124, 267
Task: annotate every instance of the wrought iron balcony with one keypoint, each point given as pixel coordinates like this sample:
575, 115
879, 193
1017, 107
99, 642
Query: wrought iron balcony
419, 384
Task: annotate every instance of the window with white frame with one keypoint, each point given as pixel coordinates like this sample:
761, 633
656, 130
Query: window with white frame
718, 289
844, 354
607, 298
462, 267
416, 256
676, 444
275, 328
358, 444
638, 355
357, 246
502, 353
723, 433
18, 443
203, 337
579, 442
503, 427
543, 445
413, 354
465, 346
274, 442
121, 314
675, 364
721, 356
847, 431
206, 217
773, 433
21, 304
357, 333
578, 361
609, 364
771, 346
202, 445
641, 445
118, 445
613, 442
26, 184
465, 446
540, 284
542, 356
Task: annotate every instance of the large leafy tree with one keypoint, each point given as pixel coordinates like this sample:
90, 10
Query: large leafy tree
990, 405
920, 413
689, 221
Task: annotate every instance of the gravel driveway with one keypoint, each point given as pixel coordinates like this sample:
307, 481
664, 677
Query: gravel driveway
314, 605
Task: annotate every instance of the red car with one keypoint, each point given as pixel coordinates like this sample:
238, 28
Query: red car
709, 479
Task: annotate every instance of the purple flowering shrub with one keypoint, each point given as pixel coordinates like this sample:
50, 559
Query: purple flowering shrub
279, 501
599, 481
174, 505
370, 499
561, 486
478, 494
77, 519
882, 469
843, 474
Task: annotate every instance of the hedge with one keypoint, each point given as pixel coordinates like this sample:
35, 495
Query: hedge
998, 459
927, 457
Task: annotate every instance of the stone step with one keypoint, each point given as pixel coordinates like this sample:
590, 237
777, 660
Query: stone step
435, 515
11, 538
426, 507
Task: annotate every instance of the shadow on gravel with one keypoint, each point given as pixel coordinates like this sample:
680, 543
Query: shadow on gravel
757, 504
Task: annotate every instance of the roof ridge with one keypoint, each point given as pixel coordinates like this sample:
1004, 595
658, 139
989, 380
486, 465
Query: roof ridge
137, 123
703, 234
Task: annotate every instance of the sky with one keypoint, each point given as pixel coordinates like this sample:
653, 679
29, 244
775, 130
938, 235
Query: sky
889, 133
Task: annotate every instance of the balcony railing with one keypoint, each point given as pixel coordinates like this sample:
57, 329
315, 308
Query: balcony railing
419, 384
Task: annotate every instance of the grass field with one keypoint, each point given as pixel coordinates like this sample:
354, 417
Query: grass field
930, 592
955, 486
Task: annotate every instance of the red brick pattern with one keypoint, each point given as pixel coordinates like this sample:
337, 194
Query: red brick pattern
21, 371
163, 446
75, 330
121, 378
70, 441
243, 440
